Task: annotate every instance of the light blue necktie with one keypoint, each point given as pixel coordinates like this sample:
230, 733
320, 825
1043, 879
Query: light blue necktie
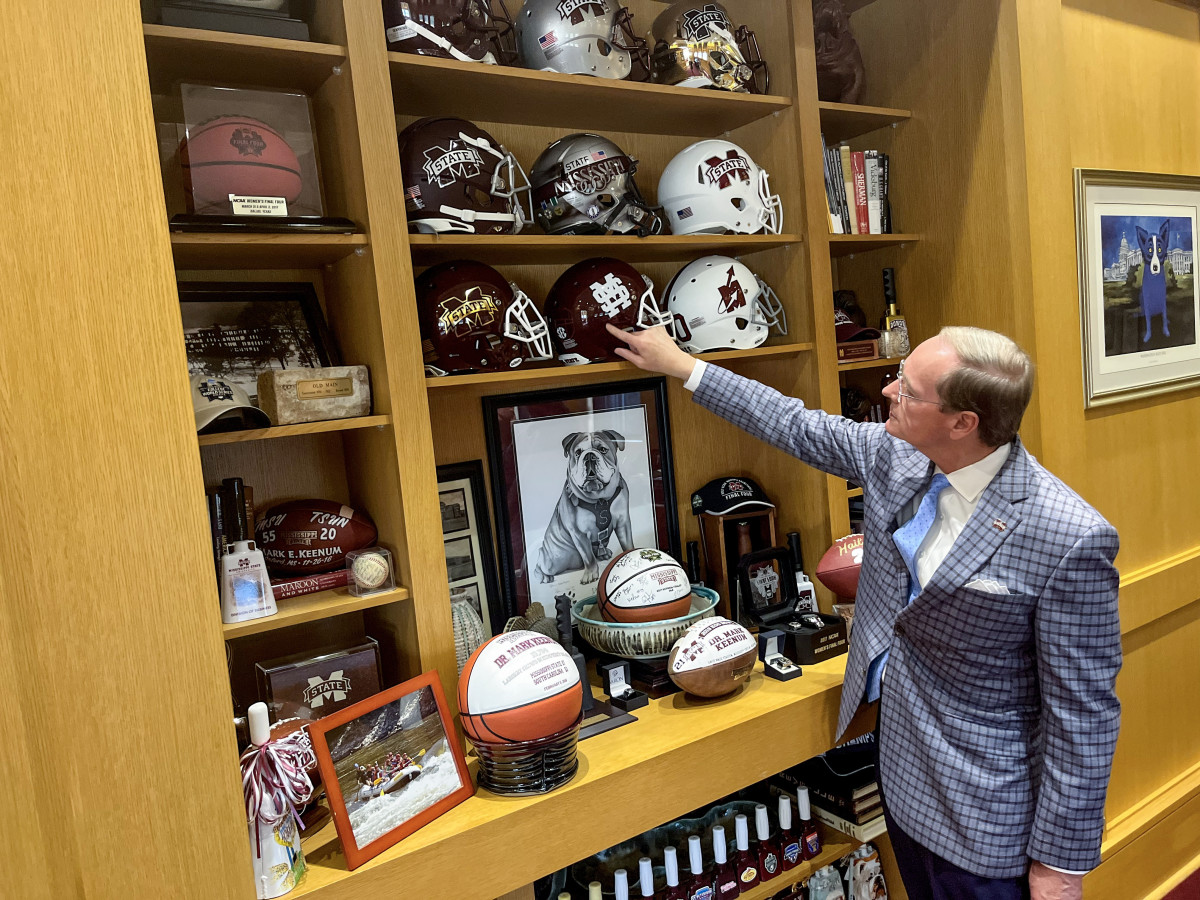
908, 539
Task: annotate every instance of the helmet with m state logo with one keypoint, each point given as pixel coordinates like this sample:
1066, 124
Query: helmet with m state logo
714, 187
591, 294
473, 320
466, 30
583, 184
717, 303
458, 178
581, 37
696, 45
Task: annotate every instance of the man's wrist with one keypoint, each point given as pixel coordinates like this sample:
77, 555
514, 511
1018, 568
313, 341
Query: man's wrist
692, 380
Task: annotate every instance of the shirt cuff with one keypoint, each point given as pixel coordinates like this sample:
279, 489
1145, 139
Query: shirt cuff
1065, 871
693, 380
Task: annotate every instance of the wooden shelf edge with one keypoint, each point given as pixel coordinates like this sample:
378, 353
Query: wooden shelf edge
261, 251
841, 122
234, 40
833, 848
846, 244
588, 372
881, 363
775, 724
282, 431
311, 608
853, 492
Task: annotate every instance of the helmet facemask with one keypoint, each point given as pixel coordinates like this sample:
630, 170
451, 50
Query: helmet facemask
523, 322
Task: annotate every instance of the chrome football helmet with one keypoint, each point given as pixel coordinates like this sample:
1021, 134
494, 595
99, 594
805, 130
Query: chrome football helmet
696, 45
583, 184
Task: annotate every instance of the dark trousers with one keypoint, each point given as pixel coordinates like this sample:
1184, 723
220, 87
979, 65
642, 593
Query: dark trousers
927, 876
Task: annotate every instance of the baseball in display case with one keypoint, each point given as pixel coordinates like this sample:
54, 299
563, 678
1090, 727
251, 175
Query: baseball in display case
249, 161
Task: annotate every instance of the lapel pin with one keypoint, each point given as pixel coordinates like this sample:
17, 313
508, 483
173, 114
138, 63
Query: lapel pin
999, 525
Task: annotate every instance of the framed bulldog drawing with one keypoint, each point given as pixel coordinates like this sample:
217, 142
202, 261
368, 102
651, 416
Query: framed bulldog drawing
578, 476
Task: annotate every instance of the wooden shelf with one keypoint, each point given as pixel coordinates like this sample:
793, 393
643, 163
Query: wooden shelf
842, 121
310, 608
181, 54
766, 725
592, 371
428, 249
262, 251
425, 86
852, 5
882, 363
853, 492
847, 244
282, 431
834, 845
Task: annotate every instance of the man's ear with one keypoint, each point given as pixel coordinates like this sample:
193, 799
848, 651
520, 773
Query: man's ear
964, 425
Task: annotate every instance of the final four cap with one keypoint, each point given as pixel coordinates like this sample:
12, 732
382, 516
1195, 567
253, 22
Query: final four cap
725, 495
846, 329
220, 405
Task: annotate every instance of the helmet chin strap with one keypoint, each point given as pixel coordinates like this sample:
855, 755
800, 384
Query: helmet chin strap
439, 41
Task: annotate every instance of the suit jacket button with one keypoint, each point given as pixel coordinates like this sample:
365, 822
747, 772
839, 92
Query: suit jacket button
862, 671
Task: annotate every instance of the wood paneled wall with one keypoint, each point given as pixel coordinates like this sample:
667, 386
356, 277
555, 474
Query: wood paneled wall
110, 647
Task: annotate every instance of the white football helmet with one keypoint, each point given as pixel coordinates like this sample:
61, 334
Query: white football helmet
581, 37
717, 303
714, 187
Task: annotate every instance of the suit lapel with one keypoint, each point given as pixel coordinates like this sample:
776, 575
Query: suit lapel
995, 518
909, 476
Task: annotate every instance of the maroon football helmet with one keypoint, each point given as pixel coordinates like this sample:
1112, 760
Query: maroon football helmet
466, 30
474, 320
591, 294
458, 178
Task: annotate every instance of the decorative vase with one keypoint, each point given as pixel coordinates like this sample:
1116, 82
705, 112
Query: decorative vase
468, 630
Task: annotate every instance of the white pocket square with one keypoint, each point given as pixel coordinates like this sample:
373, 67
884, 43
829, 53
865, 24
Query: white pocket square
988, 586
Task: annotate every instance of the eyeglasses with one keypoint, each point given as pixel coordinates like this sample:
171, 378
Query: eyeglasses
903, 384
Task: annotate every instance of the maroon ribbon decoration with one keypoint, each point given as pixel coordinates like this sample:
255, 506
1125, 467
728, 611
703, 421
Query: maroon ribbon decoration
275, 778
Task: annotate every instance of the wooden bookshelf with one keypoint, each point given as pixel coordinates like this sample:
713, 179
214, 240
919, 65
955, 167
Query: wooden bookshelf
192, 54
283, 431
850, 244
425, 86
312, 607
523, 249
882, 363
843, 121
520, 378
262, 251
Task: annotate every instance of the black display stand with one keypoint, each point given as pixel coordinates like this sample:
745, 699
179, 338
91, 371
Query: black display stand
598, 715
187, 222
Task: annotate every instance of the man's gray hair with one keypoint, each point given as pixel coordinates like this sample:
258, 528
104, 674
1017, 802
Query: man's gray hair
994, 380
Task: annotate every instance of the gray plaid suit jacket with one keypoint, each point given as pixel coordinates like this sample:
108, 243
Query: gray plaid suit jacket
999, 710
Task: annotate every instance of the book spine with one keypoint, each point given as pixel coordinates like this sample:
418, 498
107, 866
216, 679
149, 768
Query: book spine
848, 181
885, 205
871, 163
860, 192
839, 185
310, 584
216, 523
831, 201
839, 803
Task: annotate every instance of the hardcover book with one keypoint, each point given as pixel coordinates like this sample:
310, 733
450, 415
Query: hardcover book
860, 192
848, 182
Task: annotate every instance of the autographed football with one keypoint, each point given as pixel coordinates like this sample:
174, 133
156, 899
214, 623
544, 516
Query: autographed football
643, 585
302, 537
713, 658
838, 569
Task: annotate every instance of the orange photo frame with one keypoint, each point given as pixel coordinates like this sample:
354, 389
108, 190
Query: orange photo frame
391, 764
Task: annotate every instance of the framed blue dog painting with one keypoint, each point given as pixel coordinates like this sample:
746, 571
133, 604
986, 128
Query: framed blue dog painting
578, 476
1139, 299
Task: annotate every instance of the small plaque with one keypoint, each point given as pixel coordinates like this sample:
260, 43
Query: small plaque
258, 206
324, 387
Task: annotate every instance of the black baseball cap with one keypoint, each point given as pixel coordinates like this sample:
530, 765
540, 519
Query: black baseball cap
725, 495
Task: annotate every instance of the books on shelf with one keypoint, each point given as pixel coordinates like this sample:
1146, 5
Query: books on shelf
856, 190
310, 584
867, 831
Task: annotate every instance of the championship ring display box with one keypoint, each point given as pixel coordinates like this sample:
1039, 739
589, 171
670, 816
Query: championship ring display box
309, 686
618, 684
295, 396
770, 651
771, 602
248, 161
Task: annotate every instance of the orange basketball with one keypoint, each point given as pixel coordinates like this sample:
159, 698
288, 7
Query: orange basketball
519, 686
643, 585
238, 155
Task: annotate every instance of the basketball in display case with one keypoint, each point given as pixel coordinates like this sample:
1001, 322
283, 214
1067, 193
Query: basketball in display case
248, 155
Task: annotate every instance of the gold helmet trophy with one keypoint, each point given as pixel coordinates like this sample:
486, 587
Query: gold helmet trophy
696, 45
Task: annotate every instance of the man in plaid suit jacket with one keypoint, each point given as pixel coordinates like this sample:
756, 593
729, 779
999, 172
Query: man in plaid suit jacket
994, 647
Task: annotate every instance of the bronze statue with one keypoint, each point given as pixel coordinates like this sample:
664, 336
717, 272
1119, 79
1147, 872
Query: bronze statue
840, 76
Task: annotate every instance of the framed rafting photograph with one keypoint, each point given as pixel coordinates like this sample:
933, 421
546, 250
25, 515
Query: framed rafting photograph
1139, 300
234, 330
467, 536
578, 476
391, 764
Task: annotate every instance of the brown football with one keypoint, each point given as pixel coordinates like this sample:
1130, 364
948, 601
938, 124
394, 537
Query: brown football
304, 537
713, 658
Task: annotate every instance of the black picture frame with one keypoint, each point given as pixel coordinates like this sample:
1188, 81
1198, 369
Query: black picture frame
464, 481
545, 419
235, 330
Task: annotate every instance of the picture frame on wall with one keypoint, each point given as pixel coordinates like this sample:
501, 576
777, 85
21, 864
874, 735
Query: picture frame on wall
234, 330
1139, 299
467, 536
578, 475
390, 764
